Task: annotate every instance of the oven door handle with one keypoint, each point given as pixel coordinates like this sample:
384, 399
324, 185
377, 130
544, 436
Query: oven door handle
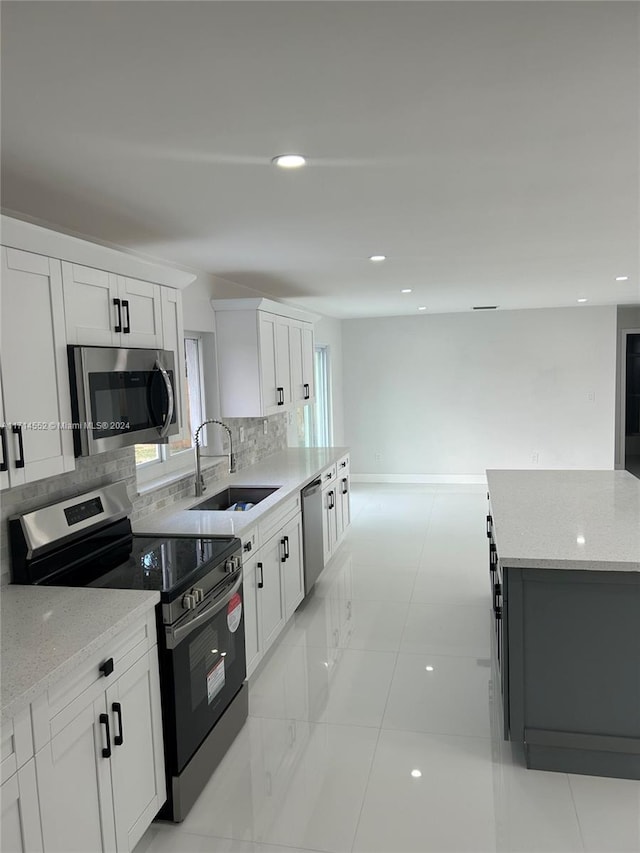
167, 421
174, 636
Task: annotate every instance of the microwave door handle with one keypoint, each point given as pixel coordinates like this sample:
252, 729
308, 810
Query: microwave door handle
167, 422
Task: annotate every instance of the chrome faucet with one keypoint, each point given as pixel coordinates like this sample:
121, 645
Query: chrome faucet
200, 486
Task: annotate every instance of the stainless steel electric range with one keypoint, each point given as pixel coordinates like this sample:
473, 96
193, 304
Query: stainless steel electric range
88, 541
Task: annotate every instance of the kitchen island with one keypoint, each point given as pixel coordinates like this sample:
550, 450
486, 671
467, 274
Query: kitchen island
564, 560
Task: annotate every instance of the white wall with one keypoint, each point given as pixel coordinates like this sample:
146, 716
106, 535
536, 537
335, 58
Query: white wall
454, 394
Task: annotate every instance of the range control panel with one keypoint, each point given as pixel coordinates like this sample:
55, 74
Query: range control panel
82, 511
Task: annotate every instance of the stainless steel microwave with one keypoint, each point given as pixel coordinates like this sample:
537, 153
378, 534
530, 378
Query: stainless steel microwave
121, 397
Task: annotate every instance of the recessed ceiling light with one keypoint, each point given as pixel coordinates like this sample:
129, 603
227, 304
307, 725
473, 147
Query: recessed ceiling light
406, 290
622, 278
422, 308
416, 774
582, 300
429, 668
377, 258
289, 161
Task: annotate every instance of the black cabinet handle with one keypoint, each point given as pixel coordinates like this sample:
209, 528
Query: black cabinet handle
283, 558
127, 329
332, 499
104, 721
343, 464
247, 546
118, 325
345, 488
261, 581
280, 396
493, 558
306, 390
489, 521
498, 613
16, 429
117, 710
106, 668
3, 438
497, 592
286, 548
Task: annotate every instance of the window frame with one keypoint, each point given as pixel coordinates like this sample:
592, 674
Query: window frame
321, 428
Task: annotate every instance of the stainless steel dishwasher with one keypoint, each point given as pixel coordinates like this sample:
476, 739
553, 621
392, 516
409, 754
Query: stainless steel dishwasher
312, 533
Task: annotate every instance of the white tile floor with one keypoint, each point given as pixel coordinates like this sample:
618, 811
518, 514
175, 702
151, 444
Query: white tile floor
386, 670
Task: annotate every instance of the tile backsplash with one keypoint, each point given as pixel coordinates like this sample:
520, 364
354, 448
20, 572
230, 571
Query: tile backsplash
95, 471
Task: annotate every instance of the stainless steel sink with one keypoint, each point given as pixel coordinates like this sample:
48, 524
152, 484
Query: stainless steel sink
234, 494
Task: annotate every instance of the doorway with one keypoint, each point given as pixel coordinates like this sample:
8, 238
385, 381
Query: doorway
631, 404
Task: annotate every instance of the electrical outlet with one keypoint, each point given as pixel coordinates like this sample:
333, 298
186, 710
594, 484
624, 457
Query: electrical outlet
264, 427
241, 434
591, 396
377, 457
535, 457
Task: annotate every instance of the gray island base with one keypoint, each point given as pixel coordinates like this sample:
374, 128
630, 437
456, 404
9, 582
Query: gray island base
565, 579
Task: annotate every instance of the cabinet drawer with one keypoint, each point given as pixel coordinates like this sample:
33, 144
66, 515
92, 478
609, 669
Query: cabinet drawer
344, 463
57, 707
277, 518
328, 475
16, 743
250, 542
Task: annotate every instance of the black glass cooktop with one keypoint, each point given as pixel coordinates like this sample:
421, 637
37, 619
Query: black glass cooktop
168, 565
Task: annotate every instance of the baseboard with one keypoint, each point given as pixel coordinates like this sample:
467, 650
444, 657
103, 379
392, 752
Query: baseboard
451, 479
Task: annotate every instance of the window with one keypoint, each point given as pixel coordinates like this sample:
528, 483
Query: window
156, 460
314, 423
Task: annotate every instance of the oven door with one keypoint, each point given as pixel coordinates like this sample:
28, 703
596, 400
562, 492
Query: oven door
202, 666
121, 397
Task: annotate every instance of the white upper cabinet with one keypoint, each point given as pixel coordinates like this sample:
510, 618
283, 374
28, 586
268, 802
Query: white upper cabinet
301, 341
103, 309
35, 380
141, 313
265, 357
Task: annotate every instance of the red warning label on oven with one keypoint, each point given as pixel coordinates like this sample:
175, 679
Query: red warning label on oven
234, 613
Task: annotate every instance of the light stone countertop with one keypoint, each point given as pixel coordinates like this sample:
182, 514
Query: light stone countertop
566, 519
47, 631
290, 470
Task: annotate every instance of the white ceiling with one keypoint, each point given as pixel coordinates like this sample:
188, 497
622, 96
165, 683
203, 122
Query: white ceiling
489, 149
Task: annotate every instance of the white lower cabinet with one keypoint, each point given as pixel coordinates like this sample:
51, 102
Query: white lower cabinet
292, 566
252, 627
336, 505
137, 767
74, 782
329, 521
273, 583
100, 775
270, 590
343, 499
20, 830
